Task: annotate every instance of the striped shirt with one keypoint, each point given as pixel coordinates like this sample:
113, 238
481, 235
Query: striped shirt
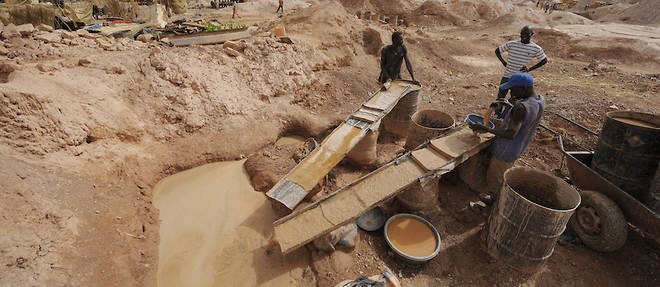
520, 55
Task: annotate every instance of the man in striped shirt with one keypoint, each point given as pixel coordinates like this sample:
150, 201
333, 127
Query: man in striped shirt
520, 54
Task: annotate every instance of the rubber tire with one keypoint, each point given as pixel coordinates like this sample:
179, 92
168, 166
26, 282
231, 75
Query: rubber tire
614, 226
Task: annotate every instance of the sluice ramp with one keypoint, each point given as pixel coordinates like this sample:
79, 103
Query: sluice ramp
439, 156
293, 188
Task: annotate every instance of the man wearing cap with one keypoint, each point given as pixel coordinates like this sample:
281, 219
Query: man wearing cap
520, 54
515, 132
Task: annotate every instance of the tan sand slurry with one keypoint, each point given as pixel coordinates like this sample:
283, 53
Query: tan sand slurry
214, 229
289, 140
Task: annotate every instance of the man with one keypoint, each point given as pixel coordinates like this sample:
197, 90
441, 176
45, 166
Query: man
391, 58
520, 54
281, 7
515, 132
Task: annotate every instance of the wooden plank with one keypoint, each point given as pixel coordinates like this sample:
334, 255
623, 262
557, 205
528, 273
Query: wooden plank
364, 116
348, 203
455, 145
429, 159
335, 147
197, 39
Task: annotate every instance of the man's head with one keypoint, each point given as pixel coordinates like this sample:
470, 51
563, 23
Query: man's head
397, 39
526, 34
521, 85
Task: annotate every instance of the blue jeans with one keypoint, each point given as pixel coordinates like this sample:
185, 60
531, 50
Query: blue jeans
500, 95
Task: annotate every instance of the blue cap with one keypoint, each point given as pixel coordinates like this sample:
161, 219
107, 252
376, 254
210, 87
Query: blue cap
518, 80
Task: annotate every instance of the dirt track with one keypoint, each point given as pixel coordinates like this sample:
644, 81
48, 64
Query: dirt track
83, 143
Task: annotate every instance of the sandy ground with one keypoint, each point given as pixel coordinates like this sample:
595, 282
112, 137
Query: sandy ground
90, 126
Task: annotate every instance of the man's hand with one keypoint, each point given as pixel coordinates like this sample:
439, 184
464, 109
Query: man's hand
478, 128
524, 69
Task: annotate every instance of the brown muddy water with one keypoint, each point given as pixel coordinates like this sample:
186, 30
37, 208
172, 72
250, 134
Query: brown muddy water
214, 229
412, 237
637, 123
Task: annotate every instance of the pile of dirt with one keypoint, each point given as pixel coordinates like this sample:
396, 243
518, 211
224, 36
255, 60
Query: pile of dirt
645, 12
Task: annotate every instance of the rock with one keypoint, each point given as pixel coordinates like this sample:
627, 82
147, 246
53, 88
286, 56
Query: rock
46, 68
238, 46
49, 37
84, 61
345, 235
82, 33
231, 52
25, 29
67, 34
10, 31
3, 51
16, 42
145, 37
115, 70
166, 41
45, 28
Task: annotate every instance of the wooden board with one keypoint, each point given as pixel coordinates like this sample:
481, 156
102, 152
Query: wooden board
335, 147
456, 145
348, 203
197, 39
429, 159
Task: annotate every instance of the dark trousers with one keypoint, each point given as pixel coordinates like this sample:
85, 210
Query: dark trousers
501, 94
280, 8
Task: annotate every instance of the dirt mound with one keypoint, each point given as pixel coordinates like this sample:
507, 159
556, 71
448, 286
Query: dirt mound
387, 7
567, 18
459, 13
646, 12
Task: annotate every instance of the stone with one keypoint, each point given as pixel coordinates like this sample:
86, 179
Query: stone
231, 52
84, 61
45, 28
115, 70
345, 235
145, 37
16, 42
49, 37
46, 67
82, 33
3, 50
166, 41
238, 46
67, 34
25, 29
10, 31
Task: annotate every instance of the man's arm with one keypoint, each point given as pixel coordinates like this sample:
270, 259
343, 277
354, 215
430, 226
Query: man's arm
499, 56
383, 62
538, 65
410, 68
518, 114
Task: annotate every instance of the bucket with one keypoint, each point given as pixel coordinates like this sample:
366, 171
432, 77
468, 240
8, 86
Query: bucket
628, 151
397, 121
420, 195
425, 125
419, 236
478, 119
529, 215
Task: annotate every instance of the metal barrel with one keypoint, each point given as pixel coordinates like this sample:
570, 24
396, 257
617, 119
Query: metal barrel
398, 120
532, 210
628, 151
427, 124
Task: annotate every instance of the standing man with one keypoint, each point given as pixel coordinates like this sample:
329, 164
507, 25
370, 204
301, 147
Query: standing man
520, 54
391, 58
281, 7
514, 134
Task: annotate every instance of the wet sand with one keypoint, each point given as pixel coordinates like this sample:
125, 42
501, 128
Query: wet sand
214, 229
289, 140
